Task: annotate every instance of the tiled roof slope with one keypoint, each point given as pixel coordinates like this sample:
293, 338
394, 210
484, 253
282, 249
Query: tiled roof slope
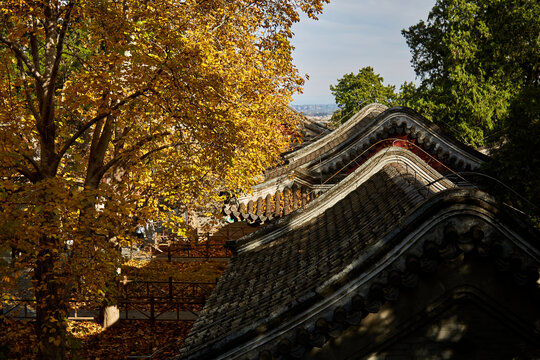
330, 141
311, 131
268, 283
320, 165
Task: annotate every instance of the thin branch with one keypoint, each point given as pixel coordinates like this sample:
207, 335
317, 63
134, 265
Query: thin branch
60, 46
34, 44
28, 174
72, 52
113, 108
109, 165
32, 162
29, 101
135, 147
19, 54
225, 17
86, 126
151, 152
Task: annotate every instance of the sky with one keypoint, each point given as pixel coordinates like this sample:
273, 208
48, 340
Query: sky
352, 34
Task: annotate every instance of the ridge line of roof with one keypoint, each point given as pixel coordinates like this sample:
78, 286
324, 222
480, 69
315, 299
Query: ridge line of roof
428, 214
342, 189
353, 121
367, 132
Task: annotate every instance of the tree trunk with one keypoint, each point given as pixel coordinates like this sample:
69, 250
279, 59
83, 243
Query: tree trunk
52, 295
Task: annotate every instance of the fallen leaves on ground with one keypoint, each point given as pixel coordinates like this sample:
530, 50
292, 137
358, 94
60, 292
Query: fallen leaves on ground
88, 340
157, 270
131, 338
17, 339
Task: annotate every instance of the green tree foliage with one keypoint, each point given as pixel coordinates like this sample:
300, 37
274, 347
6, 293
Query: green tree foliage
353, 92
478, 61
474, 58
517, 162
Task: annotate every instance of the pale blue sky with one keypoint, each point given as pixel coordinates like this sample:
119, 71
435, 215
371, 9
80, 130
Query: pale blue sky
352, 34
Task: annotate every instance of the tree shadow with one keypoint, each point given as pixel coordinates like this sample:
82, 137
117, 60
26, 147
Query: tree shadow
466, 310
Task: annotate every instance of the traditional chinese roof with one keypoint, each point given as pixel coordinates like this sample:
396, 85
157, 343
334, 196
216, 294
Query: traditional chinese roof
310, 131
319, 165
295, 288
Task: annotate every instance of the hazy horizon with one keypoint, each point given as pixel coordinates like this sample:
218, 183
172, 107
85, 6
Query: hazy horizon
350, 35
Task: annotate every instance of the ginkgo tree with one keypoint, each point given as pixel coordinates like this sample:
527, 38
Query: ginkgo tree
114, 112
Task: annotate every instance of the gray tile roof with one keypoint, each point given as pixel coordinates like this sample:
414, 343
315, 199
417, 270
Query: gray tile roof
268, 283
322, 164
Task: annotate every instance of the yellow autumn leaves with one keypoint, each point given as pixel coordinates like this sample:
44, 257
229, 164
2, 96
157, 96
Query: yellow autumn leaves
114, 114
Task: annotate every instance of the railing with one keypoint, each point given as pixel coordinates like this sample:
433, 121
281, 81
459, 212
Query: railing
200, 251
14, 307
169, 290
25, 309
137, 300
204, 246
163, 300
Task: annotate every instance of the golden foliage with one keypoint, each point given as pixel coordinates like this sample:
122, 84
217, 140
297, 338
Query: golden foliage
196, 271
116, 113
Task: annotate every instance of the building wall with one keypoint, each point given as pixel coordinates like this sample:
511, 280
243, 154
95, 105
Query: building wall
465, 310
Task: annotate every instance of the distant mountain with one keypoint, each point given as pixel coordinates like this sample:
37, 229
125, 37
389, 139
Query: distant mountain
316, 109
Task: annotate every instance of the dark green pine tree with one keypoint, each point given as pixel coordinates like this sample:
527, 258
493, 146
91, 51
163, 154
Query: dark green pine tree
474, 59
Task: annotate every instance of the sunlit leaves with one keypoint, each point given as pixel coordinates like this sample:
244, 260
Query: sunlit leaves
117, 113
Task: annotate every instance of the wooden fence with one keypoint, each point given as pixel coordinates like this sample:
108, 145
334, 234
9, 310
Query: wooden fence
163, 300
137, 300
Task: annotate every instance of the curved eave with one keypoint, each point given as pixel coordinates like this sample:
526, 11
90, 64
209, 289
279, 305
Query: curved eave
404, 121
436, 226
354, 142
367, 112
414, 164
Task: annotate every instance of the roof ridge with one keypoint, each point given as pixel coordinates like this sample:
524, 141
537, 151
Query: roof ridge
339, 191
336, 290
395, 126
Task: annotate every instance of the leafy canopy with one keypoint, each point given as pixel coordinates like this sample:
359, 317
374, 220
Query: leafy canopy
118, 112
354, 91
479, 65
474, 57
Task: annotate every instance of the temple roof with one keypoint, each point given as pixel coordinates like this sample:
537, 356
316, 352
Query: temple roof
321, 164
300, 281
286, 272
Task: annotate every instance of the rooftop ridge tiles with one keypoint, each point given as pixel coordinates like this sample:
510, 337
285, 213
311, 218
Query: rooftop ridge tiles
307, 153
410, 122
341, 190
306, 173
425, 213
365, 112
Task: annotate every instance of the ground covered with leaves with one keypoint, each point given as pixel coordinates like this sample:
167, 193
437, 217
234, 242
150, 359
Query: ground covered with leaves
88, 340
193, 271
